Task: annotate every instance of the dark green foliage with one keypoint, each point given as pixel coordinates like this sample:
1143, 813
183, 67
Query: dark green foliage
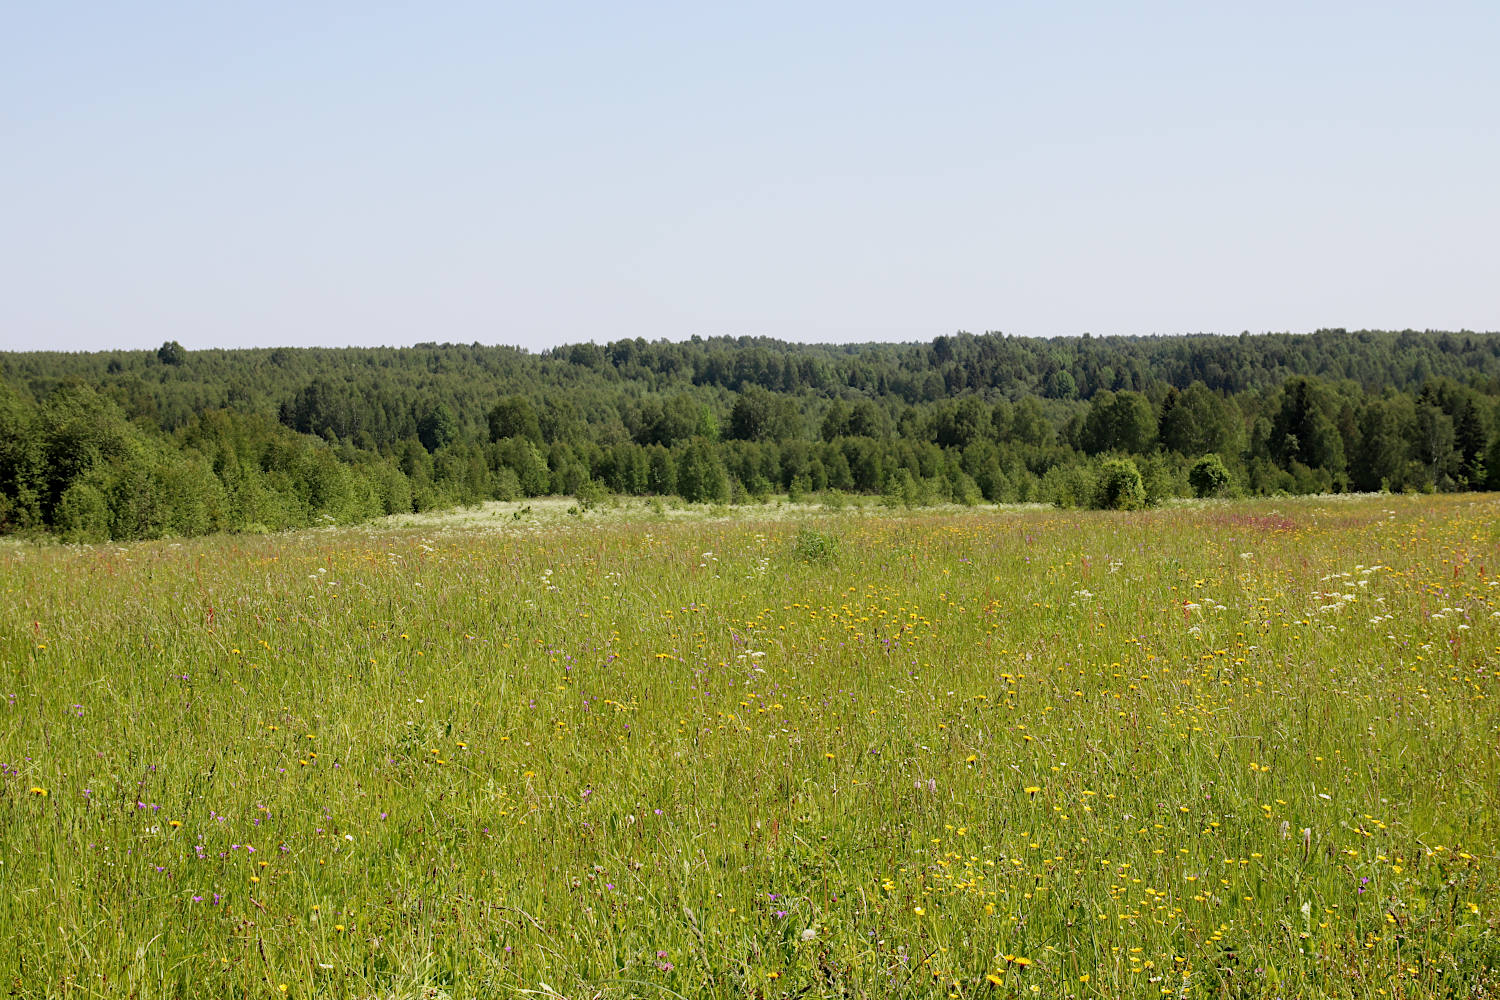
1379, 460
526, 462
1432, 445
1119, 486
900, 489
1060, 384
172, 443
1122, 422
514, 417
1209, 477
1029, 424
700, 474
662, 422
661, 472
759, 415
962, 422
1197, 421
82, 514
1461, 460
1164, 475
437, 427
1069, 486
21, 463
1303, 430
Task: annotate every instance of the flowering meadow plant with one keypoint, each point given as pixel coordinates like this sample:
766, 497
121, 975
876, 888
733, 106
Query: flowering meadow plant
1225, 749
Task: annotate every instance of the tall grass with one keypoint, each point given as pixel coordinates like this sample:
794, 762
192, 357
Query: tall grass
1233, 750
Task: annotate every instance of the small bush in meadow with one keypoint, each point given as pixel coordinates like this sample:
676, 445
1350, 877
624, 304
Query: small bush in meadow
1119, 486
1208, 477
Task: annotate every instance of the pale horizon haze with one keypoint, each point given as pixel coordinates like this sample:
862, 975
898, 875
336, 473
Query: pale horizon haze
387, 174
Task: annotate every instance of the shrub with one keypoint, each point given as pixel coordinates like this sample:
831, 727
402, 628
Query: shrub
590, 494
1120, 486
1208, 477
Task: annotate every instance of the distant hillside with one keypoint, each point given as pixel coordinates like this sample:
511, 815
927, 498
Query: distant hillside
144, 443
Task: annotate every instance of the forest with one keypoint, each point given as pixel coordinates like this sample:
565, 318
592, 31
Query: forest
176, 442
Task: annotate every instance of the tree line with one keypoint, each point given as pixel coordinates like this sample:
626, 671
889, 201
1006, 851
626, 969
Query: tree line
139, 444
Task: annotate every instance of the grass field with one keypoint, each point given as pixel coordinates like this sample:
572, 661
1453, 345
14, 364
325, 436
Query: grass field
1232, 750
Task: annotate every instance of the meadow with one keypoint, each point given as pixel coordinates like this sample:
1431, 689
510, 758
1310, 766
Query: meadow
1218, 750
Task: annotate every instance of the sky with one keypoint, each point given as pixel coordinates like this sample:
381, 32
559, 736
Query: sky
364, 173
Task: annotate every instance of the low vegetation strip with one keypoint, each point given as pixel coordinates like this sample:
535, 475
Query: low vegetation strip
1232, 750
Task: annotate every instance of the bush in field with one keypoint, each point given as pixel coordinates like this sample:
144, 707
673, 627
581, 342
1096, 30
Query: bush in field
1209, 477
1120, 486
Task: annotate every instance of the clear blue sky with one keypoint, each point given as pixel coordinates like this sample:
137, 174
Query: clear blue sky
367, 173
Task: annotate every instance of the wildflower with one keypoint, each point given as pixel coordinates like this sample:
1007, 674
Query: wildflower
34, 790
1031, 790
